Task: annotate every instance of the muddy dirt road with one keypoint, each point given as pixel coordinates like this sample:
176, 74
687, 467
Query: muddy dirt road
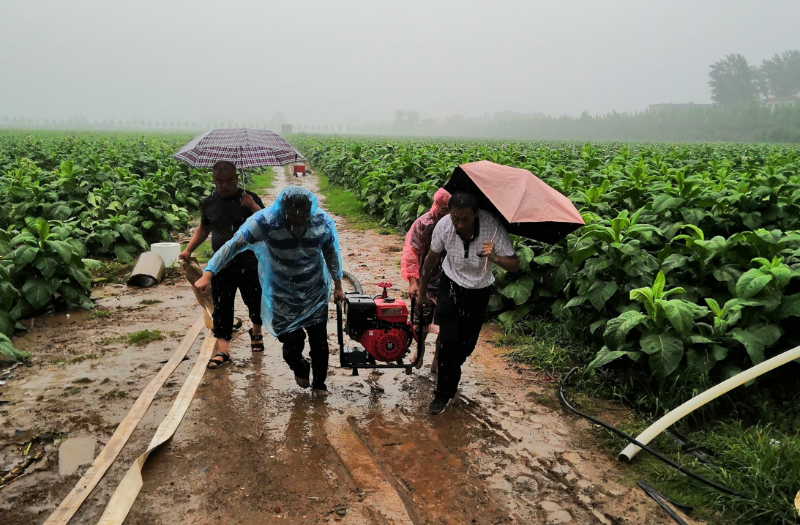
254, 448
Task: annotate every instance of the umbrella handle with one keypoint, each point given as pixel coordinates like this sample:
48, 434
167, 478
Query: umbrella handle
486, 263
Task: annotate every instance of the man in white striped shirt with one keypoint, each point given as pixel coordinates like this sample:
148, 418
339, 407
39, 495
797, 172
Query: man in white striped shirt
470, 240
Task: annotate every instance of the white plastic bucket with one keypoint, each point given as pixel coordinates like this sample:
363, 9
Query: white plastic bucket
168, 251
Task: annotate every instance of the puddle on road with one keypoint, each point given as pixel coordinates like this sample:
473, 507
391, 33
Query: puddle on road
75, 452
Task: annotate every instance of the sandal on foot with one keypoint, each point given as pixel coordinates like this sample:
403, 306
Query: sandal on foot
256, 341
302, 382
237, 323
319, 393
217, 363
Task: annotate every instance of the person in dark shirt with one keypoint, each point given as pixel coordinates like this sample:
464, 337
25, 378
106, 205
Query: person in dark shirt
222, 214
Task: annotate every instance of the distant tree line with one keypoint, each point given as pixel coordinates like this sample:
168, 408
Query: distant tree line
744, 111
734, 82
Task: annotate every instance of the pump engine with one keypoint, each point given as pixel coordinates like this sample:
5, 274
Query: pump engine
380, 324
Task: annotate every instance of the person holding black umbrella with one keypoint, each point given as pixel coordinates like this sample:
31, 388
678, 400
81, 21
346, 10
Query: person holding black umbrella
222, 214
470, 239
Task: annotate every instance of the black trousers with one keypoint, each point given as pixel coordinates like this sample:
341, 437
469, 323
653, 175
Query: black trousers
460, 313
223, 291
293, 344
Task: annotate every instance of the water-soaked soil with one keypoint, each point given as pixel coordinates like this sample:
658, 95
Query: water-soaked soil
255, 448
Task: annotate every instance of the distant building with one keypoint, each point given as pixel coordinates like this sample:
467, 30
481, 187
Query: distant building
658, 108
773, 103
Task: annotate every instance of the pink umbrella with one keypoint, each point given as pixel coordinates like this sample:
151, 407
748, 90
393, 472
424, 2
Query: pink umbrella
528, 206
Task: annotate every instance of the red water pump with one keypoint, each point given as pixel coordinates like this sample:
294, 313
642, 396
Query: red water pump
381, 324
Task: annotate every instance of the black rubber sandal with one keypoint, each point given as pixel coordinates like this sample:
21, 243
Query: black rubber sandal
237, 323
256, 341
225, 358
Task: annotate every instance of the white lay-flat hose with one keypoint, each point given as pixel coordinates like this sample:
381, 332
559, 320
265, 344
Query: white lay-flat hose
712, 393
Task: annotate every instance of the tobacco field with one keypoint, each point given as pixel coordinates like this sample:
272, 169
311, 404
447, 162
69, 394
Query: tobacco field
687, 261
69, 198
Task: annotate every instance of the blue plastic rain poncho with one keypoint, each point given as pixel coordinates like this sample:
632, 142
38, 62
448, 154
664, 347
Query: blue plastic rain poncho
295, 264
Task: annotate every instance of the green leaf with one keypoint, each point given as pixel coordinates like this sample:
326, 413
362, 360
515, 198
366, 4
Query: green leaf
38, 292
790, 306
658, 285
495, 302
139, 241
662, 202
525, 255
77, 247
107, 237
147, 225
600, 293
603, 357
127, 231
665, 353
642, 295
92, 264
9, 353
752, 282
547, 259
7, 323
693, 215
511, 316
519, 290
576, 301
8, 294
720, 352
756, 340
700, 361
23, 255
597, 324
581, 254
75, 295
617, 329
123, 252
680, 315
42, 228
47, 265
62, 248
782, 275
563, 275
675, 260
714, 305
727, 273
60, 211
22, 309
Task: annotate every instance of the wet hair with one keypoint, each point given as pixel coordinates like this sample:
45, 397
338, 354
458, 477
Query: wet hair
464, 201
224, 166
297, 204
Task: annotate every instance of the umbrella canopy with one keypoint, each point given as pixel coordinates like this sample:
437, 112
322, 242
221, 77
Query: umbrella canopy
245, 147
526, 205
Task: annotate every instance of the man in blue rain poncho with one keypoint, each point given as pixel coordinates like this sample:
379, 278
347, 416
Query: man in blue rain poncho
298, 254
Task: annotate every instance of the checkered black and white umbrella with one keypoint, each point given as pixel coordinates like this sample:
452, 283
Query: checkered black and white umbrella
245, 147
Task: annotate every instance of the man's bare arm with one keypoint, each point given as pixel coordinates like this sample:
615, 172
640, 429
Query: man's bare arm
200, 235
428, 268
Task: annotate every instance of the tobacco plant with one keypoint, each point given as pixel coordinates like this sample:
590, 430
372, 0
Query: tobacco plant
672, 232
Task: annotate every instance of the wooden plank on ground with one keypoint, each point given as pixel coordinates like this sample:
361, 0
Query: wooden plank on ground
70, 505
128, 489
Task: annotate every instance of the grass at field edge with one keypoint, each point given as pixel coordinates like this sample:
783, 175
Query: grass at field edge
341, 201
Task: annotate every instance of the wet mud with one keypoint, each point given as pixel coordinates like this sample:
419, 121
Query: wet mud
255, 448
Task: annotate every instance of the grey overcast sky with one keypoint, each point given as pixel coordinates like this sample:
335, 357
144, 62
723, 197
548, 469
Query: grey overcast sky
348, 61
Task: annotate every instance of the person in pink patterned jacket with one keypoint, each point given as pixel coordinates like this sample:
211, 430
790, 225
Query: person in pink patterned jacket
415, 248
